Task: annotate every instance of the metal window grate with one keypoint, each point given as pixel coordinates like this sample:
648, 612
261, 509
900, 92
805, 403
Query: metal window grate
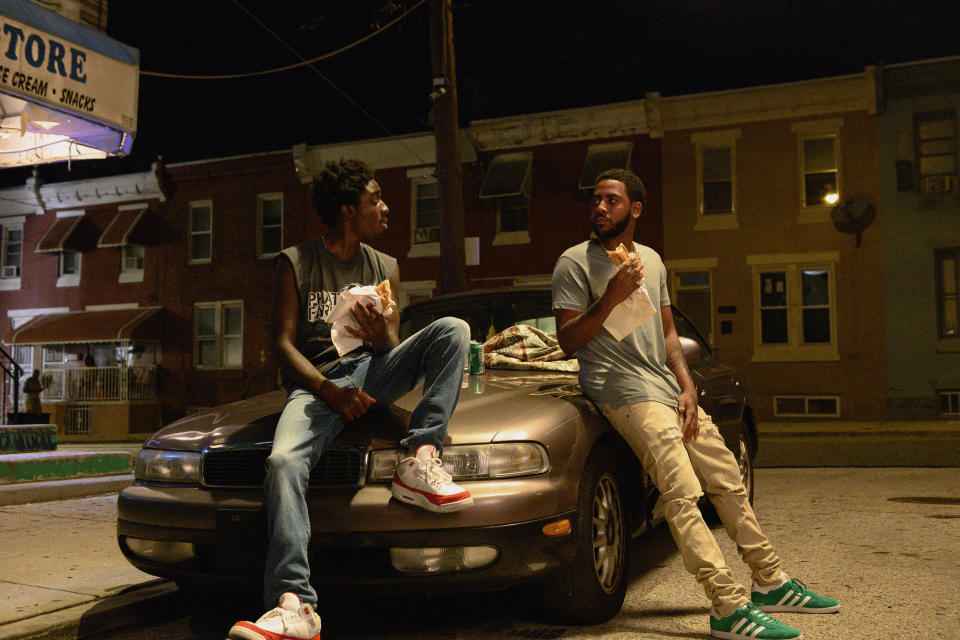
78, 420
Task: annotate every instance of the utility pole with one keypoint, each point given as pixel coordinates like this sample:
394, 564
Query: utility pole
453, 271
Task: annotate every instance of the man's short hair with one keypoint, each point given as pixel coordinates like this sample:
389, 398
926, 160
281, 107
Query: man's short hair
339, 183
634, 185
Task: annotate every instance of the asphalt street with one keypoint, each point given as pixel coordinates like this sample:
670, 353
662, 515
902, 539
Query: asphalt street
883, 541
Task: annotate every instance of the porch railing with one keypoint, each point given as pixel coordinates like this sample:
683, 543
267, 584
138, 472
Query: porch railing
100, 383
11, 372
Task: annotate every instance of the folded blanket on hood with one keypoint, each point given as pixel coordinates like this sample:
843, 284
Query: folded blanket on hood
525, 347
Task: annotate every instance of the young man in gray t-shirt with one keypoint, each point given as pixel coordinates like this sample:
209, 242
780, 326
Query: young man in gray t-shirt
326, 391
643, 386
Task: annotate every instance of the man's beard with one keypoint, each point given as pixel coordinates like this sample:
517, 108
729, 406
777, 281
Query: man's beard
613, 231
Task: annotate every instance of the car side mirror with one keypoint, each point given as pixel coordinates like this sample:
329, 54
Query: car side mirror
691, 349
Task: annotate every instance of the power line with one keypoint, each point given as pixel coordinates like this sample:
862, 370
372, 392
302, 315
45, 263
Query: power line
304, 62
310, 64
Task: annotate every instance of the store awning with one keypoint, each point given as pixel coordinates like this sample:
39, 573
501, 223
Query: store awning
116, 325
60, 236
118, 232
67, 91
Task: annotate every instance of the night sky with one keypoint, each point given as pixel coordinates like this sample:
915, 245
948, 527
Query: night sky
512, 58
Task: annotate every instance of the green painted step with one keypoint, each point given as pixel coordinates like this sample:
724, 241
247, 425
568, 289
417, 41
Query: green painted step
24, 438
62, 465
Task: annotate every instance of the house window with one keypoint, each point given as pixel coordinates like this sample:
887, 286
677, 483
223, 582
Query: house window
131, 263
12, 252
600, 157
948, 302
51, 371
806, 406
200, 240
508, 182
950, 402
820, 173
716, 179
795, 312
218, 335
716, 185
935, 147
512, 214
68, 272
693, 293
426, 211
269, 224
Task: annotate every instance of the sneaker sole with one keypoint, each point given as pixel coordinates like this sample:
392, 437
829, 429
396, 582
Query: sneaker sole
414, 498
788, 609
740, 636
238, 632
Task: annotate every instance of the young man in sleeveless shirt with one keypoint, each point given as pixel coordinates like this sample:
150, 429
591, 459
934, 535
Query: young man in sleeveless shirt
326, 392
644, 388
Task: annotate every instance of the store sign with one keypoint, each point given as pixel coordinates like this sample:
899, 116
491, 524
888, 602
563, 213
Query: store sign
77, 85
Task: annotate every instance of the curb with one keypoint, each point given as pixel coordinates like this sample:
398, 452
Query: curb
28, 492
129, 607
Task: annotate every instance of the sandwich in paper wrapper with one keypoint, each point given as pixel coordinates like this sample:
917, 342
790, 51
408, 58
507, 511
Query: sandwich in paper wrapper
635, 310
340, 317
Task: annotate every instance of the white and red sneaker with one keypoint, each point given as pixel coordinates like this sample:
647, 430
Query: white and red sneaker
289, 621
421, 480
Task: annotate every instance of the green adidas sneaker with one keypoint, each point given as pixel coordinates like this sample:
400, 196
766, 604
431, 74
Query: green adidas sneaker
749, 622
793, 596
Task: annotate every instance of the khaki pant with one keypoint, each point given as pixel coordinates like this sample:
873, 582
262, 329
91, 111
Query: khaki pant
682, 473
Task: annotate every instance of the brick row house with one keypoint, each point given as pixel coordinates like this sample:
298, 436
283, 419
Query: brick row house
919, 104
743, 185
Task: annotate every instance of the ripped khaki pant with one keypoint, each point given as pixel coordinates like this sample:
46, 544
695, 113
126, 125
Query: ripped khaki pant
682, 473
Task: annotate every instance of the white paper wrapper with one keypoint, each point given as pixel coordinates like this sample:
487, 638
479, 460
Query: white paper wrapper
631, 313
341, 317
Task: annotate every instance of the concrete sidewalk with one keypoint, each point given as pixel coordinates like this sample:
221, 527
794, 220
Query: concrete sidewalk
61, 570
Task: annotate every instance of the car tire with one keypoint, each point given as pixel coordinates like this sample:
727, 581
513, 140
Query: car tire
591, 588
743, 452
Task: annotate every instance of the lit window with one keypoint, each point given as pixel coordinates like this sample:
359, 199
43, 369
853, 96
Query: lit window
600, 157
269, 224
218, 335
820, 187
795, 311
948, 300
200, 239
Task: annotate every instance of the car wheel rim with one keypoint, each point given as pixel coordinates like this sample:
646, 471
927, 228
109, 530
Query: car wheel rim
607, 534
743, 461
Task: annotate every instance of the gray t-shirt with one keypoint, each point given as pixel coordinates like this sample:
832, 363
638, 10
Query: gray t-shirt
617, 372
321, 277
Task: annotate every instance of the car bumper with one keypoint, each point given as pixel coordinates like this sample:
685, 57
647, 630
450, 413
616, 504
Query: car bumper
352, 534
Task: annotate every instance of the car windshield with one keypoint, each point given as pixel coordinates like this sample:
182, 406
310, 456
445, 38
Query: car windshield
486, 313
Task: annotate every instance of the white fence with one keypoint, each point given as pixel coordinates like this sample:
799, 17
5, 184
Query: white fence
99, 383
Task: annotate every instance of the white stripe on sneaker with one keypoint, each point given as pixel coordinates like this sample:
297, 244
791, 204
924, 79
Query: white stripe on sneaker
805, 601
748, 628
736, 628
788, 594
756, 632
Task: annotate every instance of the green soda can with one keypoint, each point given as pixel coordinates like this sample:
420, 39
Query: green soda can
475, 360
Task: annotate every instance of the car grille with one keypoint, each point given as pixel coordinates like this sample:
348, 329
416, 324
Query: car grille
339, 467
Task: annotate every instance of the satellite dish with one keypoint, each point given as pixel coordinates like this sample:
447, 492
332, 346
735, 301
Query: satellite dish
853, 216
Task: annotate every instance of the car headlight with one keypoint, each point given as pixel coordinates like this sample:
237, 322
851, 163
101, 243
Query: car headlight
472, 461
167, 466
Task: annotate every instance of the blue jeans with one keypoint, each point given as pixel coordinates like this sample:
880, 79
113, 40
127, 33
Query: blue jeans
435, 355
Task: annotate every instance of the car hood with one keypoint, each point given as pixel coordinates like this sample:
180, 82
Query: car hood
500, 405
